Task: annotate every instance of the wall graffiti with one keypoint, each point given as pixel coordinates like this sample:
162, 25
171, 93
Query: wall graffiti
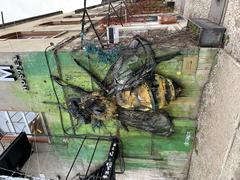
7, 73
20, 72
10, 73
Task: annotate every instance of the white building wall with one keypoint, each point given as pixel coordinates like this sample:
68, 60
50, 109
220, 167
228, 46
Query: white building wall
20, 9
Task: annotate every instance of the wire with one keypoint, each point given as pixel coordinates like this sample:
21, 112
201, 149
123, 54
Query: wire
99, 138
17, 172
95, 148
35, 144
54, 89
79, 136
75, 158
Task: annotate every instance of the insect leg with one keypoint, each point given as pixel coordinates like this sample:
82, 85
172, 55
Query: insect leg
55, 103
167, 57
65, 84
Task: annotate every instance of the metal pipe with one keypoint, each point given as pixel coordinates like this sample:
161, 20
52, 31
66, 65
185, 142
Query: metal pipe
10, 138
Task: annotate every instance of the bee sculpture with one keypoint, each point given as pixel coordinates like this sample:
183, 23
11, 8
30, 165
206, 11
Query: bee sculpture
131, 92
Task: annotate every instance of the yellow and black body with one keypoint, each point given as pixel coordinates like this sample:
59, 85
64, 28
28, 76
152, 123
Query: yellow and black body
145, 98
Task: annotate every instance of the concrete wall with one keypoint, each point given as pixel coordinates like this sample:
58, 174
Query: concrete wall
213, 157
197, 8
232, 22
178, 4
216, 155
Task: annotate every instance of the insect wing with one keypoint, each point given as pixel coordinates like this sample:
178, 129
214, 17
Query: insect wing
131, 69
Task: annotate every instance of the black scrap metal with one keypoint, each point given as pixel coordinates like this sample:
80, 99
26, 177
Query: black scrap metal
85, 12
119, 79
107, 170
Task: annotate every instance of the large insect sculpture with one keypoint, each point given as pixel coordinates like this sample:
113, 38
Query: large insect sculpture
131, 92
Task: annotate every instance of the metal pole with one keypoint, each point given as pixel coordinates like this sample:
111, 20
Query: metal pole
109, 16
3, 23
83, 22
11, 126
99, 39
94, 151
75, 158
121, 9
26, 122
116, 14
126, 8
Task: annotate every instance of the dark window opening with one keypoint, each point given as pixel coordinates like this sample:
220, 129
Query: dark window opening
74, 16
57, 23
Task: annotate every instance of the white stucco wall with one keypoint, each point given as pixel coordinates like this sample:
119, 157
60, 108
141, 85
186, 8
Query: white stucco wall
232, 22
20, 9
197, 8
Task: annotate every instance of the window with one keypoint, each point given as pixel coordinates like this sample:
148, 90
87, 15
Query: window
74, 16
15, 122
33, 35
57, 23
